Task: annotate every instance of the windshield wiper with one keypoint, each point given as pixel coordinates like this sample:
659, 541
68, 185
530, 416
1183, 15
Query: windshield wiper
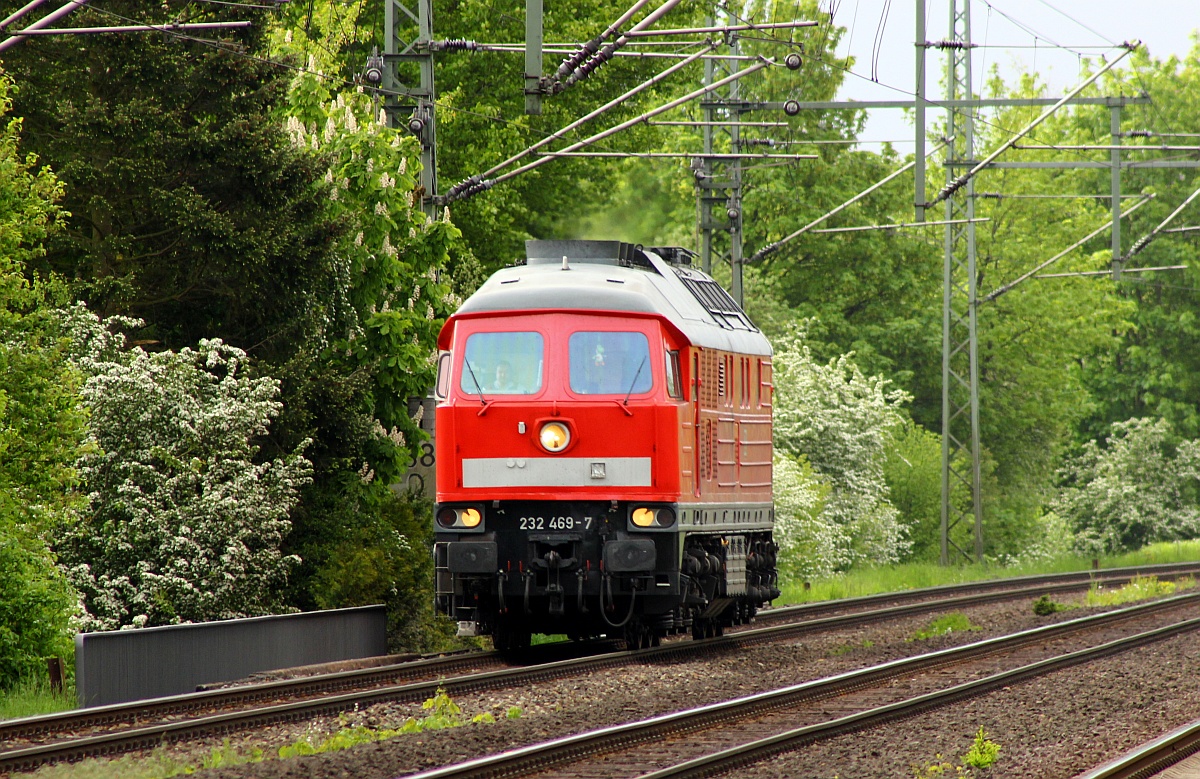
478, 388
633, 383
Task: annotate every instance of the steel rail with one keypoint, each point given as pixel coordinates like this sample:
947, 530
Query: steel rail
1151, 758
541, 756
1158, 569
797, 620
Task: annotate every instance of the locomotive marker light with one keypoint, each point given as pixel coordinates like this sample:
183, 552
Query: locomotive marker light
554, 437
468, 518
645, 517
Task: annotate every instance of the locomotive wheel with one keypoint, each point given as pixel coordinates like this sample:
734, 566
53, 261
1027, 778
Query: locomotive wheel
639, 636
511, 638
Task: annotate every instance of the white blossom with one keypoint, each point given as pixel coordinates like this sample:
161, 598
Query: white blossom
837, 421
184, 524
1132, 491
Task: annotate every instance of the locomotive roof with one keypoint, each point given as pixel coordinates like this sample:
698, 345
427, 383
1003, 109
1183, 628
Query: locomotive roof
616, 276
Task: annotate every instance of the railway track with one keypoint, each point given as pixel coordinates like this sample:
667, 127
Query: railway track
718, 738
1154, 757
129, 727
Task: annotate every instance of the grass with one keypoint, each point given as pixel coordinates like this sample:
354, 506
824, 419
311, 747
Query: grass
947, 623
1140, 588
29, 698
442, 712
909, 576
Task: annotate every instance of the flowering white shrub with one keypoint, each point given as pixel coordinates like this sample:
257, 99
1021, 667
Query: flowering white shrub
840, 421
183, 525
810, 546
1135, 490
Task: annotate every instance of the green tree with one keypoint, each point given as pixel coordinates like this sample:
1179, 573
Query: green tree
41, 423
1155, 369
189, 207
1139, 487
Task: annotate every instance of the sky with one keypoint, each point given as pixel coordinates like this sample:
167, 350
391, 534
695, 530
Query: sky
1046, 36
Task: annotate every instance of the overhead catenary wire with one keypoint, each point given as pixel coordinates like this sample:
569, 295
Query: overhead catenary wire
901, 225
1107, 272
515, 48
773, 247
690, 154
167, 27
473, 181
1145, 240
961, 181
1006, 287
719, 29
460, 191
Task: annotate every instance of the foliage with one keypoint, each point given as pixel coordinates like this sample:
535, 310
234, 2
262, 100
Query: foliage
937, 768
183, 524
1138, 488
443, 713
947, 623
1139, 588
1154, 369
840, 421
1045, 606
351, 389
913, 471
32, 696
983, 752
188, 206
809, 546
912, 575
41, 425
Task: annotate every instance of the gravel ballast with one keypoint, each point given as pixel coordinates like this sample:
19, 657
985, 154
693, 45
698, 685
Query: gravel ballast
566, 706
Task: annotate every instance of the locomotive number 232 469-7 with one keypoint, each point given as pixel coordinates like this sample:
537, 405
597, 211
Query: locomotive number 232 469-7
555, 523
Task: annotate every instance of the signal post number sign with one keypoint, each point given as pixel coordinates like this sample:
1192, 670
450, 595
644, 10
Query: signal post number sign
421, 469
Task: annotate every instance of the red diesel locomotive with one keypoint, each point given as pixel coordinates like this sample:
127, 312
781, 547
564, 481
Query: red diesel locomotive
603, 451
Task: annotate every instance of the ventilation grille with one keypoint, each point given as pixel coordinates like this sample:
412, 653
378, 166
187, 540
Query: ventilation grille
716, 301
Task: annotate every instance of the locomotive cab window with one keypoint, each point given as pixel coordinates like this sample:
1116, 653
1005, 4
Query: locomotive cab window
442, 386
674, 388
607, 363
502, 364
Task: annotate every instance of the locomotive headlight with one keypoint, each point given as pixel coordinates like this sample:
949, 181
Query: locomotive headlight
643, 517
554, 437
652, 517
470, 517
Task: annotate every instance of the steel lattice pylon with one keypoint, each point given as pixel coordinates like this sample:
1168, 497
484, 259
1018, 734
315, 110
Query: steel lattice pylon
409, 73
960, 343
719, 182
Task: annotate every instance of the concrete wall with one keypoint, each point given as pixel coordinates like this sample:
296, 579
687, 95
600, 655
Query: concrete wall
126, 665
